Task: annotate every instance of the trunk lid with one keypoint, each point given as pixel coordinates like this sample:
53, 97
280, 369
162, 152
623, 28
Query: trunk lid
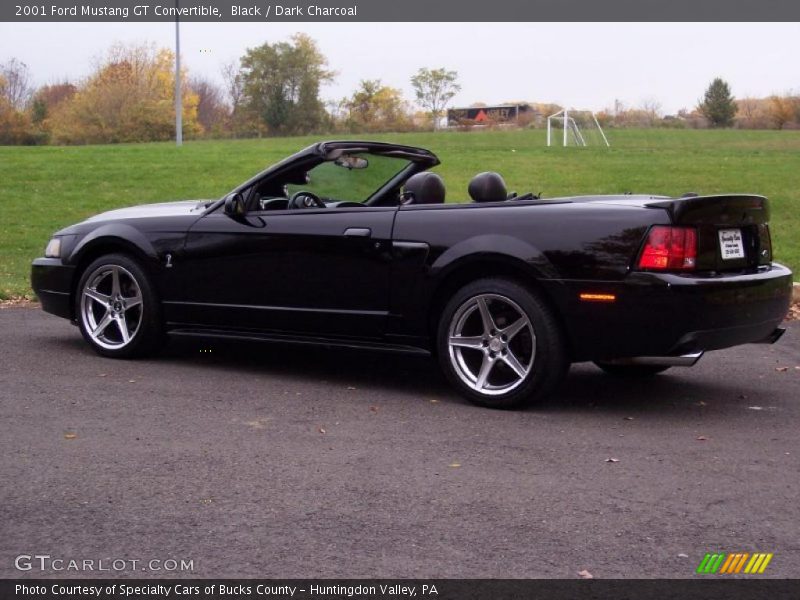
732, 229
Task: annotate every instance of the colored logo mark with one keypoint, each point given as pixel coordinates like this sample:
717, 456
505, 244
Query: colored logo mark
731, 563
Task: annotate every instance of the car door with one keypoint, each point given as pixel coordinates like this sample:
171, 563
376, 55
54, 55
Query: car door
320, 271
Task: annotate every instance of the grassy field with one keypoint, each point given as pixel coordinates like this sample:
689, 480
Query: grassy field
45, 188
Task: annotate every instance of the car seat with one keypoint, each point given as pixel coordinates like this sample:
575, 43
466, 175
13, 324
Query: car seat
488, 187
423, 188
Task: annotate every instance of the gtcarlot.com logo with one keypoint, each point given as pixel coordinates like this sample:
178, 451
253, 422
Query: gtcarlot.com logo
731, 563
46, 562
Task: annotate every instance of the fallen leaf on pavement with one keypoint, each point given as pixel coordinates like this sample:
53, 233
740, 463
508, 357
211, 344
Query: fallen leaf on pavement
612, 460
454, 465
321, 430
585, 574
131, 381
70, 436
781, 369
702, 438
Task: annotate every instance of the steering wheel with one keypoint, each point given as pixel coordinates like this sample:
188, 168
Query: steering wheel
303, 199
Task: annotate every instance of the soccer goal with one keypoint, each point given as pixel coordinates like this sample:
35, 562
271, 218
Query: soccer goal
575, 128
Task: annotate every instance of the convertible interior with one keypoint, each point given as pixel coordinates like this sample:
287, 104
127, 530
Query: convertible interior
296, 189
429, 188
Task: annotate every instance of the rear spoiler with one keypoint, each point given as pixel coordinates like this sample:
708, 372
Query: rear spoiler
722, 209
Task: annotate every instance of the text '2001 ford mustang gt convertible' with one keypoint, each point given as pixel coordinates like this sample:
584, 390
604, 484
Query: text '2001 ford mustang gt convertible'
351, 243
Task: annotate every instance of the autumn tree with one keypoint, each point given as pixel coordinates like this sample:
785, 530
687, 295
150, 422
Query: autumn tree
17, 88
718, 105
212, 111
44, 102
280, 85
780, 110
748, 111
651, 107
129, 98
434, 88
242, 122
376, 107
14, 124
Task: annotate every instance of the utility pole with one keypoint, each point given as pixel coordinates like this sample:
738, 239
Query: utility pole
178, 94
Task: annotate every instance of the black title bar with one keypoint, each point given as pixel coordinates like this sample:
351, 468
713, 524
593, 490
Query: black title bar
711, 588
401, 10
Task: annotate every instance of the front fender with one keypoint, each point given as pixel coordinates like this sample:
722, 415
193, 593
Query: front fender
118, 234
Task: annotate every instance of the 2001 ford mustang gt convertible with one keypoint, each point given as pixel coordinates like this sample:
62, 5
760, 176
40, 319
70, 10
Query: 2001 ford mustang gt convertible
351, 243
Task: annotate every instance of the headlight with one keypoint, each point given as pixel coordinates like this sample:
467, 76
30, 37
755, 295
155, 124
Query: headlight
53, 249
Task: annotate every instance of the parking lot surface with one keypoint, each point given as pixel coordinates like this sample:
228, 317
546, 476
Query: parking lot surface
273, 461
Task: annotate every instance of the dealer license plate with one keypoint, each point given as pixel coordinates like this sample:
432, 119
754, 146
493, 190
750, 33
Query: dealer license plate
730, 244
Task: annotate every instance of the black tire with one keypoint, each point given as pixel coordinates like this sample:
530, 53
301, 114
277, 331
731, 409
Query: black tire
99, 303
537, 348
631, 371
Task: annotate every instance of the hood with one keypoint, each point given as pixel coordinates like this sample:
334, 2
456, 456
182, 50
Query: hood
162, 209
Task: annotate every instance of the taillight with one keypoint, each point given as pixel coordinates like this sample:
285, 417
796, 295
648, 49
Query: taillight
669, 248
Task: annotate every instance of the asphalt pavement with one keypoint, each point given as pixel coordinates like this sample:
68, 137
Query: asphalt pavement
259, 460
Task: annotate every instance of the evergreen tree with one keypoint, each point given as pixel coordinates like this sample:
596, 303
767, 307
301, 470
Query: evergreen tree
718, 105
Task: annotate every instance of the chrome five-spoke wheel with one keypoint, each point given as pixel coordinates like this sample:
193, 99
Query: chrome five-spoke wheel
500, 343
111, 306
491, 344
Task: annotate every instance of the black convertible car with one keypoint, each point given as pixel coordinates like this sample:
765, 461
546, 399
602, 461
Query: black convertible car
350, 243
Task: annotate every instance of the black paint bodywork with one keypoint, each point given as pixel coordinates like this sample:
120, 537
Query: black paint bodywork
312, 275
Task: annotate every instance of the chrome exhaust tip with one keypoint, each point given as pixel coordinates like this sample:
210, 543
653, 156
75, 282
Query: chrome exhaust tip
685, 360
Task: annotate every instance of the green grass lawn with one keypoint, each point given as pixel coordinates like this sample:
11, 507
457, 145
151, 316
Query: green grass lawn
45, 188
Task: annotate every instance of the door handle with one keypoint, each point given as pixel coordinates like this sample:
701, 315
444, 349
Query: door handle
358, 232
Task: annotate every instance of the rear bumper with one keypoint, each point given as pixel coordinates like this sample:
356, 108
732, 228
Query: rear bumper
52, 282
671, 315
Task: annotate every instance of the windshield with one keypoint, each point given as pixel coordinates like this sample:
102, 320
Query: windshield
350, 180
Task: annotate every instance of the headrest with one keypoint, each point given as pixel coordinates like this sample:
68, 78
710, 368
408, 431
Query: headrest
424, 188
488, 187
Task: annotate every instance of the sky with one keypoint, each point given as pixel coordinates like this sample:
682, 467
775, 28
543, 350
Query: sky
578, 65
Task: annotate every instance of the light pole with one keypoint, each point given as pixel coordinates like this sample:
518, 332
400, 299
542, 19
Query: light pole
178, 98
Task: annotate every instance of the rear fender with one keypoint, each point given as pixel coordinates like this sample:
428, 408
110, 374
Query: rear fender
497, 245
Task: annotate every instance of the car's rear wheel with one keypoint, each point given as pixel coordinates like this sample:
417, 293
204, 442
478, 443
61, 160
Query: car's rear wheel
500, 344
631, 370
117, 309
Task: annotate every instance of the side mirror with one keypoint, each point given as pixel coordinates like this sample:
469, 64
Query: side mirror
234, 205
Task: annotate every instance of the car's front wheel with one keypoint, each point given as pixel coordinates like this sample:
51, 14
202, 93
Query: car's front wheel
500, 344
117, 309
